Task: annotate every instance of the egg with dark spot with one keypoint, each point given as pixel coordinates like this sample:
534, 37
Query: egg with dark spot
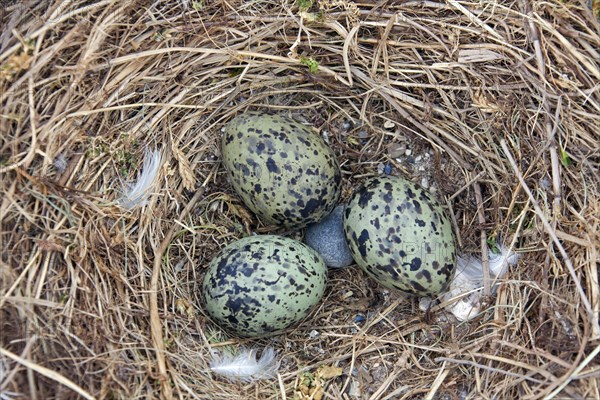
283, 172
263, 284
400, 236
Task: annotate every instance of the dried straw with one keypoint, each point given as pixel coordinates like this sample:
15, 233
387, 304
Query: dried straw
497, 101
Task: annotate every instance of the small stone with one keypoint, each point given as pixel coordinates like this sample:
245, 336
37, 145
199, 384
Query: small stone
327, 238
387, 169
425, 303
396, 150
354, 391
408, 152
363, 134
384, 169
325, 136
388, 124
425, 182
359, 318
545, 183
314, 334
180, 265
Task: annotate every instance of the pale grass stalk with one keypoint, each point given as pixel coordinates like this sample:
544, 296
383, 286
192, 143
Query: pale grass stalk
48, 373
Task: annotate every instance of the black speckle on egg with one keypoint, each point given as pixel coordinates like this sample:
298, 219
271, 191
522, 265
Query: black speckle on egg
364, 196
272, 166
415, 264
362, 242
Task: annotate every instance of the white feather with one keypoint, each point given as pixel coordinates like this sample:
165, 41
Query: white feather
245, 367
136, 194
467, 286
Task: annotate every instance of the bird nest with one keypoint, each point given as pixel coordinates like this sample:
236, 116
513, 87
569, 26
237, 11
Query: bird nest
493, 106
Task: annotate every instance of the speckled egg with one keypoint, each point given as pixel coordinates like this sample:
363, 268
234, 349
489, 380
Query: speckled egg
282, 171
400, 235
263, 284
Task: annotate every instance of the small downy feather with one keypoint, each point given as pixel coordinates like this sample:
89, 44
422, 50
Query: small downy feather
136, 194
245, 367
468, 282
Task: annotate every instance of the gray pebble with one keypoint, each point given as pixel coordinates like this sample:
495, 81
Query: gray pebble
326, 237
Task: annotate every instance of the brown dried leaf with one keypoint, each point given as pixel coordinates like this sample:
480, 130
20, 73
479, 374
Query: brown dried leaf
49, 245
485, 104
184, 307
15, 64
328, 372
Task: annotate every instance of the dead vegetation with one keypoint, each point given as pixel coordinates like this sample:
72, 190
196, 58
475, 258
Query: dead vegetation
97, 301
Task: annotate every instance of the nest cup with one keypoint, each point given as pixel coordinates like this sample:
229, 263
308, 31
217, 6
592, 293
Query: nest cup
492, 106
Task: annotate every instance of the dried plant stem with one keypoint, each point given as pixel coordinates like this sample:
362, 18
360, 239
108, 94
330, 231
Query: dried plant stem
229, 52
89, 86
481, 366
485, 259
54, 20
550, 231
475, 19
541, 66
575, 371
594, 288
592, 68
32, 121
155, 320
444, 371
281, 387
55, 376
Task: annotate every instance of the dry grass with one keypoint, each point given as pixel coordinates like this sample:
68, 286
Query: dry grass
97, 301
